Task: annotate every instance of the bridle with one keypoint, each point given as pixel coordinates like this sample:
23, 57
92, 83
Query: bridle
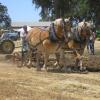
65, 32
87, 35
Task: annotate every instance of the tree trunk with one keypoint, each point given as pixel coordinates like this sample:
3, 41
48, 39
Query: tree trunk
56, 8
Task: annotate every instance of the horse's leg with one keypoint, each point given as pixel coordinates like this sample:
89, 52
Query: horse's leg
79, 61
76, 60
62, 59
88, 47
82, 69
57, 63
63, 62
80, 64
46, 56
38, 61
92, 48
29, 55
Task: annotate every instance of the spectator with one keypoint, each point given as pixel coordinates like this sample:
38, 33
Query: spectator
94, 34
90, 44
23, 35
1, 32
75, 21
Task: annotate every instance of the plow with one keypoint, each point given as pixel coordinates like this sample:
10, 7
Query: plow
21, 59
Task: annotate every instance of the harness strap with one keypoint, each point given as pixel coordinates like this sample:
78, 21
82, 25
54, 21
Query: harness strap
59, 45
76, 36
52, 34
40, 42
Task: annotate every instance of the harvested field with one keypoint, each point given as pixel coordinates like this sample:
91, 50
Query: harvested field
28, 84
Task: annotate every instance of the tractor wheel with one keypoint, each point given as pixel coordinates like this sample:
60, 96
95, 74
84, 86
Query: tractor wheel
7, 46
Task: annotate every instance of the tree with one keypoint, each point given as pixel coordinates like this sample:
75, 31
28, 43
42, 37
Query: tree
51, 9
94, 6
45, 6
5, 21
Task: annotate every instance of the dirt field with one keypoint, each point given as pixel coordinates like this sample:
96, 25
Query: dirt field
28, 84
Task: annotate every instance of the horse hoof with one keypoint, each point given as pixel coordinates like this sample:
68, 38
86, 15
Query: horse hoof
59, 68
38, 69
84, 71
55, 64
28, 66
45, 69
67, 70
19, 66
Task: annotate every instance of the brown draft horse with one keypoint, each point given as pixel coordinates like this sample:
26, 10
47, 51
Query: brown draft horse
77, 42
39, 40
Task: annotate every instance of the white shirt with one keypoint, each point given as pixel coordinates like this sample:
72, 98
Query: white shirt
22, 33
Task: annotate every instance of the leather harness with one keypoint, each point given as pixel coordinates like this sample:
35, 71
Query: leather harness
76, 36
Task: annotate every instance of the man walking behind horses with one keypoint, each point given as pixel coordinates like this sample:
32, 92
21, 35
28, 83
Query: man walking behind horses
23, 35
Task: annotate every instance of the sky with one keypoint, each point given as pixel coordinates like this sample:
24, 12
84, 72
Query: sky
22, 10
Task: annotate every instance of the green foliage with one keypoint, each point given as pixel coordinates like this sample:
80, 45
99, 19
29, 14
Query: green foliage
46, 6
5, 21
98, 33
51, 9
94, 6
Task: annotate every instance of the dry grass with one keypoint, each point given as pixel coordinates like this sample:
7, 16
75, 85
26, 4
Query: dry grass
28, 84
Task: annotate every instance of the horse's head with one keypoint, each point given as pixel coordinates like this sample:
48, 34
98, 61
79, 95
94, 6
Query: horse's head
84, 29
68, 25
63, 27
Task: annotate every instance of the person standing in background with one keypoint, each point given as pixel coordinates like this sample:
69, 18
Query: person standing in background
1, 32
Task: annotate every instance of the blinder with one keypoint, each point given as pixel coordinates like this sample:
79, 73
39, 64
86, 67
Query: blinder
65, 33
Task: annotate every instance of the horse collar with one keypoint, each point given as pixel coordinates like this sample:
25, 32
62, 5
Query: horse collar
52, 34
76, 36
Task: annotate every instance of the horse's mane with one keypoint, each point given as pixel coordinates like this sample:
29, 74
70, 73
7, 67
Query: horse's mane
57, 21
76, 31
84, 23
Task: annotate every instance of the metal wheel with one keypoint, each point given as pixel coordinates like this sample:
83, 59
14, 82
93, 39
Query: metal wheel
7, 46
